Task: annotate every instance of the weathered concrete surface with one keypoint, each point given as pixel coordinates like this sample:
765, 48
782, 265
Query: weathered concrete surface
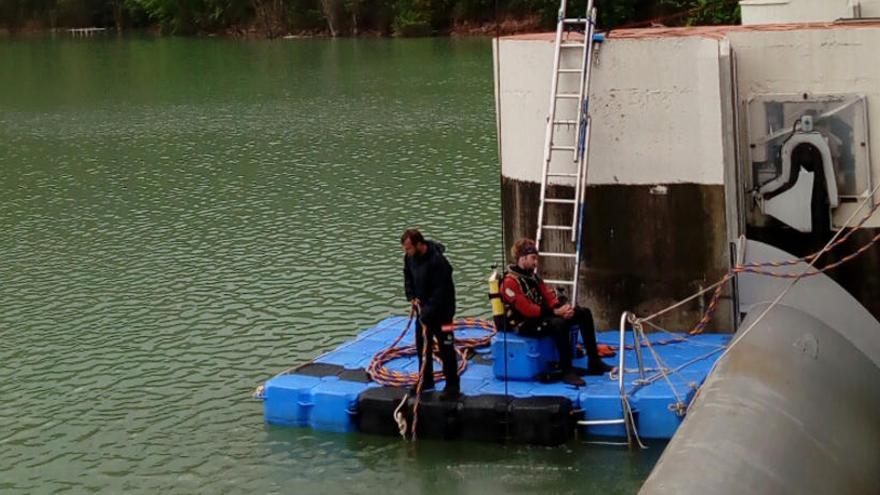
662, 116
655, 225
656, 110
644, 247
815, 62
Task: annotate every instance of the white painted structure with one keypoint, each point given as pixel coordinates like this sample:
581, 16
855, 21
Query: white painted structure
669, 108
776, 11
655, 106
842, 60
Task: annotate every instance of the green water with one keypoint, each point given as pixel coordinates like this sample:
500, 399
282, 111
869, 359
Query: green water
184, 218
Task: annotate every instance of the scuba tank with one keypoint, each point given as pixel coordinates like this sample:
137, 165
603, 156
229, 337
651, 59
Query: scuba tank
498, 315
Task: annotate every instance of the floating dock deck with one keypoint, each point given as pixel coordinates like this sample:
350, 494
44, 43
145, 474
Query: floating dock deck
334, 392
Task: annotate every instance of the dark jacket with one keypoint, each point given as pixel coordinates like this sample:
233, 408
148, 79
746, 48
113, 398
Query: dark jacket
429, 278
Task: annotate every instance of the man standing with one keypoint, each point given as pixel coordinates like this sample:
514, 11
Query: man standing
427, 277
534, 311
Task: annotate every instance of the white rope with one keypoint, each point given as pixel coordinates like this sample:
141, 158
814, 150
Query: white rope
682, 337
658, 361
653, 378
399, 418
631, 423
740, 335
614, 374
794, 281
730, 275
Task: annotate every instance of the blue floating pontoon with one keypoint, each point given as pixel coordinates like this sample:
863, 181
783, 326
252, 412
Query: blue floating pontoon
501, 400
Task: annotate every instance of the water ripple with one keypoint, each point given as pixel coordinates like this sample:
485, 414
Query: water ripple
184, 218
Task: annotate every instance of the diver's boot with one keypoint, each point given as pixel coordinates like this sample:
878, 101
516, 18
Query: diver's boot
598, 367
571, 378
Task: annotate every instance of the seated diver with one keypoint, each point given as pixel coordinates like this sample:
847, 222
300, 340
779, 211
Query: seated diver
535, 311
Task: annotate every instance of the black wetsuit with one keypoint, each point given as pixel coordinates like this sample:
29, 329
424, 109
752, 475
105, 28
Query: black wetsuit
428, 277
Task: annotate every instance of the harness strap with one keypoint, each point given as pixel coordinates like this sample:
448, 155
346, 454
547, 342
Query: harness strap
531, 288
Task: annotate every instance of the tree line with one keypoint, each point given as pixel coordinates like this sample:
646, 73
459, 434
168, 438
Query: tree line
272, 18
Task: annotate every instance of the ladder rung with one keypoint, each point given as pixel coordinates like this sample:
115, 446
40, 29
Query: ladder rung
571, 71
558, 255
561, 174
556, 227
559, 282
600, 422
559, 201
571, 45
576, 20
565, 122
568, 95
563, 148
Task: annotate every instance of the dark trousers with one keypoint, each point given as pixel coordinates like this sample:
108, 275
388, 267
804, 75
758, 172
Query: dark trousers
560, 330
446, 342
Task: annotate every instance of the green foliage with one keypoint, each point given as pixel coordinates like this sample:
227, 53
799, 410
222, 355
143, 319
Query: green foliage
304, 15
411, 24
400, 17
699, 12
423, 17
473, 10
196, 16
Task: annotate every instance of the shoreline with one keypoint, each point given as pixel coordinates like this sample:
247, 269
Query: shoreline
461, 30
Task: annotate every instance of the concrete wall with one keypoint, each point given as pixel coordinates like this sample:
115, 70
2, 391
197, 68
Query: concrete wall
669, 154
813, 61
655, 107
817, 61
783, 11
654, 229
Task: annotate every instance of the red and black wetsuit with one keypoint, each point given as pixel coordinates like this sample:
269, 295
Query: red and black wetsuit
530, 304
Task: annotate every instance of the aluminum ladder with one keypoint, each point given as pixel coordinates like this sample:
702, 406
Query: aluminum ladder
579, 149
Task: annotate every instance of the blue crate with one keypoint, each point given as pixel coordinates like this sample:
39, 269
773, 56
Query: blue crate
351, 359
335, 404
526, 356
657, 417
288, 399
603, 402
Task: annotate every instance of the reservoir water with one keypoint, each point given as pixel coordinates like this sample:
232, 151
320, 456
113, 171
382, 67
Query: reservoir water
183, 218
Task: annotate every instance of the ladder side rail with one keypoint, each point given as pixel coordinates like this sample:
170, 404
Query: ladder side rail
585, 69
584, 163
584, 116
548, 135
582, 109
579, 217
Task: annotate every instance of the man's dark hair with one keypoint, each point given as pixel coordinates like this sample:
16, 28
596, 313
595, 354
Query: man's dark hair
517, 249
413, 235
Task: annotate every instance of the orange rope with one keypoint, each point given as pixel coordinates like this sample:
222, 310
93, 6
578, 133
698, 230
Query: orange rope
759, 268
381, 374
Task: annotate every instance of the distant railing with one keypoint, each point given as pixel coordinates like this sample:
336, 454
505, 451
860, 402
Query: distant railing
89, 31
